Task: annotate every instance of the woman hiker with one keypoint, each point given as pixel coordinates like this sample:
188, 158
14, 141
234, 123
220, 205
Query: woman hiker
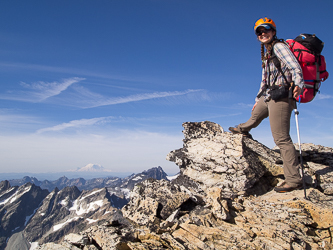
272, 100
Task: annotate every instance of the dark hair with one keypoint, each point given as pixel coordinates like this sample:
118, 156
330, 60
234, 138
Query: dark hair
269, 47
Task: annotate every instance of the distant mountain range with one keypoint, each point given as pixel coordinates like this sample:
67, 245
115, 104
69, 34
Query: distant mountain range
62, 182
43, 211
83, 184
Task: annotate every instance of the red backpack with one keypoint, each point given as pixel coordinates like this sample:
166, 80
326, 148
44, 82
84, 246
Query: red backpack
307, 49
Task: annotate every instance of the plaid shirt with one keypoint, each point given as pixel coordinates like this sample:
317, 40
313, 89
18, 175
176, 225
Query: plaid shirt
289, 65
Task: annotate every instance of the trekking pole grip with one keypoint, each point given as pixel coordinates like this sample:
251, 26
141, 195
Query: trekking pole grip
291, 90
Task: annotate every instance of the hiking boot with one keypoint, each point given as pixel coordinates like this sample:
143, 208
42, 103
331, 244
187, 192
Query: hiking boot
236, 130
287, 188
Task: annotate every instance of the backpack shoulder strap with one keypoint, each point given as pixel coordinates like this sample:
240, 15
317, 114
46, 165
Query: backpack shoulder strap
277, 62
274, 58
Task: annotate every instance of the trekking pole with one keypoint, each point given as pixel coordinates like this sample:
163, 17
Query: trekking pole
300, 149
291, 92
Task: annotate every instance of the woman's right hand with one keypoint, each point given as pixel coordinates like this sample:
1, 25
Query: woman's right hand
254, 106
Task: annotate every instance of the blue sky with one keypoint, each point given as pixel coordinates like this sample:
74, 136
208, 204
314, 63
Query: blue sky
111, 82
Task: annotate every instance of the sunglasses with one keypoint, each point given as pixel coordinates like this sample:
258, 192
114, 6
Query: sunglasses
266, 30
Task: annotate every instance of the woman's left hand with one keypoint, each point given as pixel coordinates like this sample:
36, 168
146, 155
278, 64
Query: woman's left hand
297, 91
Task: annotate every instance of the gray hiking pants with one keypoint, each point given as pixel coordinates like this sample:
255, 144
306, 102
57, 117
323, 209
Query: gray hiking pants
279, 113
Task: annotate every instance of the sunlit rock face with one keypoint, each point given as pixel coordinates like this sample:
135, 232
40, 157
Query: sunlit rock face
214, 158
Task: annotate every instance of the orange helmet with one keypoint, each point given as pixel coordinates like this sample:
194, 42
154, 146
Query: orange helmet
264, 22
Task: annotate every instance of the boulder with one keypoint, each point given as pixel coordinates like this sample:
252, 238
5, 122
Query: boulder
213, 158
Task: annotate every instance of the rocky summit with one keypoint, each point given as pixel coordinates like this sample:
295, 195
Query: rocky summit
223, 198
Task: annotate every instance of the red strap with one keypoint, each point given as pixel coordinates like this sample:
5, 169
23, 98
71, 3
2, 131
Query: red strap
307, 64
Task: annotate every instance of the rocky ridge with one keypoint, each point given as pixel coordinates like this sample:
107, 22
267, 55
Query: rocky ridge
17, 204
29, 213
222, 199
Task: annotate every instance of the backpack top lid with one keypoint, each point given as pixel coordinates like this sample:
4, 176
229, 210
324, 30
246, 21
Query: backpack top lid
311, 42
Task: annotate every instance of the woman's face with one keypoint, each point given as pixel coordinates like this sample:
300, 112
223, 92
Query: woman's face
265, 35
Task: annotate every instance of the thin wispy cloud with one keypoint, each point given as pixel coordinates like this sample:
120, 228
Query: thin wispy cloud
90, 99
83, 97
12, 122
35, 67
75, 124
39, 91
144, 96
243, 105
72, 71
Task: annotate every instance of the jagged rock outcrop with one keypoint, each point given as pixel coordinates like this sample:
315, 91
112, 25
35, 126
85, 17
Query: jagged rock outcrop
17, 205
129, 182
222, 199
222, 160
54, 210
4, 185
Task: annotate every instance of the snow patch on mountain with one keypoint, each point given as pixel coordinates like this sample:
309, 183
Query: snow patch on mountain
27, 218
126, 192
64, 202
92, 168
15, 196
59, 226
79, 209
138, 178
7, 191
91, 220
94, 192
